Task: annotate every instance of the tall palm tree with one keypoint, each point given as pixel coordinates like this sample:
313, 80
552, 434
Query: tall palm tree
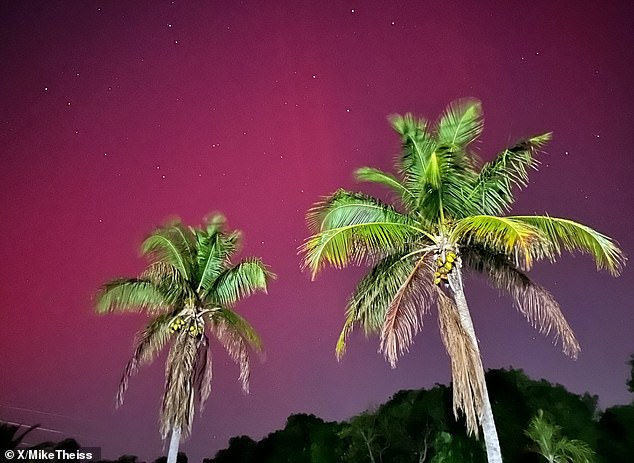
188, 290
447, 217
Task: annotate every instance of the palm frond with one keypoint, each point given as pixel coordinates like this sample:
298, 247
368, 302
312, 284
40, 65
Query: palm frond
127, 294
169, 282
492, 191
148, 343
466, 366
404, 316
177, 408
417, 144
555, 447
370, 174
210, 258
573, 236
373, 295
460, 124
241, 281
352, 228
173, 244
203, 373
534, 302
518, 240
236, 335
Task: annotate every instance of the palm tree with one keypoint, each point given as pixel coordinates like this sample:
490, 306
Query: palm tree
188, 291
552, 446
447, 216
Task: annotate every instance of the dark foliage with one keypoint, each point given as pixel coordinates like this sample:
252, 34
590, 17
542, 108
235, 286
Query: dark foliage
419, 426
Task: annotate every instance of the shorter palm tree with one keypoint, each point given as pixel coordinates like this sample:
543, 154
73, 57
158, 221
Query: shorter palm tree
188, 290
555, 448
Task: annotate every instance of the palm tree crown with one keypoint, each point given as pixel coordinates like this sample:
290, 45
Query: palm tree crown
189, 290
447, 214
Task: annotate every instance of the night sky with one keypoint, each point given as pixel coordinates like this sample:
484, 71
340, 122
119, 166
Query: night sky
116, 115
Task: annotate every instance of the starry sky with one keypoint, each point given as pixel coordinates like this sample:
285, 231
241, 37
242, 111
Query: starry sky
117, 115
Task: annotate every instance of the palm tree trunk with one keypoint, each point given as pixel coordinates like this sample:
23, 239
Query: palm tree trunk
491, 442
175, 439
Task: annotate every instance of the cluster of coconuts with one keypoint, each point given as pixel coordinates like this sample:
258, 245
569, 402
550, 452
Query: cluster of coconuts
444, 267
195, 328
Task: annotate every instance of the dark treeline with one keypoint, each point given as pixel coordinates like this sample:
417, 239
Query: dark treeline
419, 426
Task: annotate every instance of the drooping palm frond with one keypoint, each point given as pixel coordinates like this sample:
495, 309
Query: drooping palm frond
370, 174
373, 295
466, 366
173, 244
575, 237
460, 124
353, 228
169, 282
177, 408
404, 316
535, 303
518, 240
130, 294
148, 343
203, 373
236, 335
492, 191
240, 281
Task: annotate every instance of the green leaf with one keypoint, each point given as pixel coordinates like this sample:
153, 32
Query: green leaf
173, 244
241, 281
520, 242
369, 174
572, 236
492, 191
129, 294
354, 227
460, 124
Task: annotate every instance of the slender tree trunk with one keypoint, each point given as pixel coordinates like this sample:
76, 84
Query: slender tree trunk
175, 439
367, 444
491, 442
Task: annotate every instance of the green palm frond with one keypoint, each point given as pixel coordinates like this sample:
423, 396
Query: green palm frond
445, 179
460, 124
492, 191
211, 258
417, 145
553, 446
130, 294
148, 343
173, 244
572, 236
354, 227
240, 281
535, 303
373, 295
403, 318
516, 239
370, 174
236, 335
